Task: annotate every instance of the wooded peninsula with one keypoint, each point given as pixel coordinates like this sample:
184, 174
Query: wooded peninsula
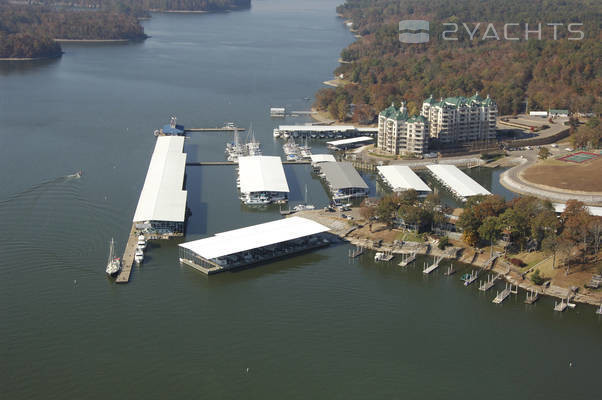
30, 30
560, 70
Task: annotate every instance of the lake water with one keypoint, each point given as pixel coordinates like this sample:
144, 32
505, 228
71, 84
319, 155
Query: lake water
312, 326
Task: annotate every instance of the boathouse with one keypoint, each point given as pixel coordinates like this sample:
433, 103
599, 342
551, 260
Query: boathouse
161, 207
401, 178
343, 180
253, 244
462, 185
262, 180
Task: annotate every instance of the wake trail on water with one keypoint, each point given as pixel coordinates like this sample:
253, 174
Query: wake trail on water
51, 225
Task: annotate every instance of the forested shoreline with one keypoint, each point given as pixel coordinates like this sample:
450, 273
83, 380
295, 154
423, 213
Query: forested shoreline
28, 31
379, 69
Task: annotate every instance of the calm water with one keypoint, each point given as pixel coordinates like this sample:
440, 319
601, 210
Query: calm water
314, 326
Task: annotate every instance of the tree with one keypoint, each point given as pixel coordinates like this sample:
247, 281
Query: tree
490, 230
368, 213
575, 221
386, 209
544, 153
536, 278
551, 244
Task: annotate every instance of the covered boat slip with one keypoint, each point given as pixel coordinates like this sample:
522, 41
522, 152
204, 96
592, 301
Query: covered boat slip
162, 204
401, 177
457, 181
262, 179
349, 143
343, 180
252, 244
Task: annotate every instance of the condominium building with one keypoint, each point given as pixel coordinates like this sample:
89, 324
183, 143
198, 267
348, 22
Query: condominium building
460, 119
398, 133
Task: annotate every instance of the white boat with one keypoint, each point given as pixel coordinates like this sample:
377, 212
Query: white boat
114, 263
276, 133
139, 256
142, 242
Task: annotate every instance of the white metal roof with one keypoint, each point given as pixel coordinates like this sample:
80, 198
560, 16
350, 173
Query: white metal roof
593, 210
342, 175
401, 177
316, 128
318, 158
456, 180
350, 141
162, 197
262, 174
255, 236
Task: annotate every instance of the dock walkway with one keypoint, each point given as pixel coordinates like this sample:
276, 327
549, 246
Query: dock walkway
128, 257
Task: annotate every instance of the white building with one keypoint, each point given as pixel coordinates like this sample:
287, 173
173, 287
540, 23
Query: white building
460, 119
398, 133
162, 205
262, 180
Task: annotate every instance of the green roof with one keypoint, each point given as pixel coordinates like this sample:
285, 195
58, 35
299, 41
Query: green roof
418, 118
394, 113
458, 101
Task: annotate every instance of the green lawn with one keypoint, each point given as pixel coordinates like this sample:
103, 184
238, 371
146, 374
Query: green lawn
409, 236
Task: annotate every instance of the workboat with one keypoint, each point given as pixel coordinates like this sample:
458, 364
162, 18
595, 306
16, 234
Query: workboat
114, 263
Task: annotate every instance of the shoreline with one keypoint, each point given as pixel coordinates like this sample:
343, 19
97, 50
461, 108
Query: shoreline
461, 254
92, 40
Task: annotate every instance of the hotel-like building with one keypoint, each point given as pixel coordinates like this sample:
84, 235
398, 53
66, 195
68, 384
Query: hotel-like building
398, 133
453, 120
460, 119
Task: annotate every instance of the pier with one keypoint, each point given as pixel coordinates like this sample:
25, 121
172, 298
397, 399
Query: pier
222, 129
406, 259
470, 278
214, 163
450, 270
501, 296
358, 251
560, 307
532, 297
128, 257
433, 266
488, 283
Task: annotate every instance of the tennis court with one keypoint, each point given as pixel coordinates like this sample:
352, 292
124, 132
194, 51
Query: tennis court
579, 157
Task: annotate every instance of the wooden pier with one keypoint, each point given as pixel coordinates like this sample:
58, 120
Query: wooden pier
214, 163
470, 278
531, 297
488, 283
433, 266
560, 307
222, 129
128, 257
501, 296
358, 251
450, 270
406, 259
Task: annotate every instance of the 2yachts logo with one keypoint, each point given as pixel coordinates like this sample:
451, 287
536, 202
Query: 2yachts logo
418, 31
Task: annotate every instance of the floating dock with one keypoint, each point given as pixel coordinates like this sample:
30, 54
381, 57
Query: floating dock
488, 283
401, 178
501, 296
406, 259
433, 266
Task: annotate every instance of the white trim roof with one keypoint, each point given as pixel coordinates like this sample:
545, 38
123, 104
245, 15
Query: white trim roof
318, 158
401, 177
255, 236
593, 210
316, 128
350, 141
456, 180
262, 174
162, 197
